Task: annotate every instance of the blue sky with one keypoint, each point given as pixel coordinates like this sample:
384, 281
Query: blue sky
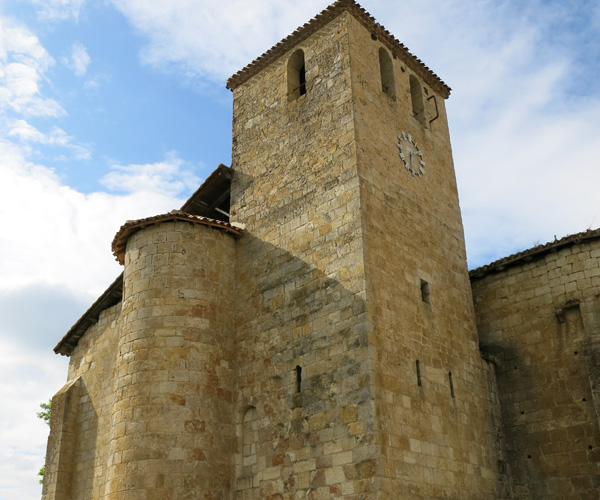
114, 110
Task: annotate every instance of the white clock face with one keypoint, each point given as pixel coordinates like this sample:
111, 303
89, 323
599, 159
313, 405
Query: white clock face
410, 155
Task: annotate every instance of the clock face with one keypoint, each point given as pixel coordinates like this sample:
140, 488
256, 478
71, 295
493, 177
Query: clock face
410, 155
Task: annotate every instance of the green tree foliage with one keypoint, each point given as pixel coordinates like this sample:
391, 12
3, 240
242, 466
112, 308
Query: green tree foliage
45, 413
45, 416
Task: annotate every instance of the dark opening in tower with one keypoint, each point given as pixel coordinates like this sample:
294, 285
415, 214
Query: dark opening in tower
416, 95
296, 75
388, 84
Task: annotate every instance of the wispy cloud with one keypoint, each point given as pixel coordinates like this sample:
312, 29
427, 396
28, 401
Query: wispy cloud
57, 137
171, 177
524, 80
54, 10
76, 228
524, 115
209, 41
79, 59
23, 64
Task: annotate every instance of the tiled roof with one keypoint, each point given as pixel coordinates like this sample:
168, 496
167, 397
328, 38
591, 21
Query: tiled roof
131, 227
211, 195
330, 13
112, 295
533, 254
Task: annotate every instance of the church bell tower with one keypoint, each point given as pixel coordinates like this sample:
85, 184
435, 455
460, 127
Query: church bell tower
359, 368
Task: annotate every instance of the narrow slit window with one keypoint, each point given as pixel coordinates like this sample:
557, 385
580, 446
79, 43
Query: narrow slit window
419, 381
416, 95
296, 75
451, 384
386, 68
298, 379
249, 440
425, 297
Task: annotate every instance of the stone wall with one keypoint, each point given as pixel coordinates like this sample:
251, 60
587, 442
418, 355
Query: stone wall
541, 321
171, 429
83, 431
300, 283
332, 351
435, 429
147, 410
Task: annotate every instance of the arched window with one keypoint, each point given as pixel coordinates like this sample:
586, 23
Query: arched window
388, 85
416, 95
296, 75
249, 440
246, 460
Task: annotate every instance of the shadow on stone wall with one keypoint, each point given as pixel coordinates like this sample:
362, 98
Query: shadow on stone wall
302, 350
85, 447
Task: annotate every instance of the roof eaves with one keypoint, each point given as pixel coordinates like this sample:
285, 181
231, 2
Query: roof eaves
111, 296
533, 254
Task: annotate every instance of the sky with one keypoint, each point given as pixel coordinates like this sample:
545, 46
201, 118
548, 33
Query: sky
116, 110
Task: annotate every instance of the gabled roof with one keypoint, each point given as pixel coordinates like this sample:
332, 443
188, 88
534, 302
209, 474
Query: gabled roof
533, 254
112, 295
133, 226
211, 199
330, 13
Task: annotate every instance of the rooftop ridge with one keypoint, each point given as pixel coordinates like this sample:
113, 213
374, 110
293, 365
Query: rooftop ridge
534, 253
367, 20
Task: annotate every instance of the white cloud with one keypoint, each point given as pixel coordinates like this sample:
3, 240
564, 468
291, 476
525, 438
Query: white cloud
26, 379
54, 10
524, 115
28, 134
55, 259
79, 60
169, 177
212, 40
55, 256
523, 86
73, 229
23, 64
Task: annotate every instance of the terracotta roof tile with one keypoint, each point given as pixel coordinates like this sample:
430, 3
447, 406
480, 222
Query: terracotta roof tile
330, 13
131, 227
533, 254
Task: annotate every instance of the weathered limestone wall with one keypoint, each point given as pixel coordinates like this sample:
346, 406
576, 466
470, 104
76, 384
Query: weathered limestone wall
171, 430
300, 284
433, 444
541, 320
80, 425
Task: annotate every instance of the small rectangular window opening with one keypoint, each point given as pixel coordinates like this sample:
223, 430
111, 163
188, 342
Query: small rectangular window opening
298, 379
302, 79
451, 384
425, 292
419, 383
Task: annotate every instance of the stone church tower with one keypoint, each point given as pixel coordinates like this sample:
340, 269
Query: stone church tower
303, 328
355, 317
